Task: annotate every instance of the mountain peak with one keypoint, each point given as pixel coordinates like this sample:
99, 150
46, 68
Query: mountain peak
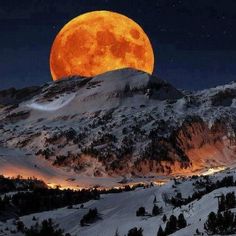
105, 91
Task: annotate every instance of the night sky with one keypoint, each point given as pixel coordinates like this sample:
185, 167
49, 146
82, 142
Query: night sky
194, 41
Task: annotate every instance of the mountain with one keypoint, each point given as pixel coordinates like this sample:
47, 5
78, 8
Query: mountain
121, 123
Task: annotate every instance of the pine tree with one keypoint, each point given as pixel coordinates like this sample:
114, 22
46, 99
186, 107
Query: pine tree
171, 225
219, 222
228, 222
221, 204
156, 210
116, 233
160, 232
135, 232
141, 211
211, 223
20, 226
47, 228
230, 201
164, 218
181, 221
155, 200
168, 229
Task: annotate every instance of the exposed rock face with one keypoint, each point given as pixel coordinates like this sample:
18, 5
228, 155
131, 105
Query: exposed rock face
54, 90
224, 98
194, 133
204, 145
15, 117
124, 122
12, 96
161, 90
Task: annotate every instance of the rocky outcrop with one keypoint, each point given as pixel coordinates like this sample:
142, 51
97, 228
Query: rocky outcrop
224, 98
13, 96
204, 145
162, 90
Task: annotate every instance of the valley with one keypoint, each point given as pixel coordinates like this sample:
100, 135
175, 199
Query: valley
117, 210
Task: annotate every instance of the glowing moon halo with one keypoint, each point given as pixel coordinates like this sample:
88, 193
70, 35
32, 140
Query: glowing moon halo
97, 42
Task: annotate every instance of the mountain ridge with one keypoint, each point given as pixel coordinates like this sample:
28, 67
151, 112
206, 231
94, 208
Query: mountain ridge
124, 122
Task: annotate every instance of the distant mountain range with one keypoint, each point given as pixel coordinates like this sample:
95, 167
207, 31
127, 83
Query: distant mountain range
121, 123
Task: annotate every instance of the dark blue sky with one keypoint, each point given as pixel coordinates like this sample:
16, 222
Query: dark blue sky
194, 41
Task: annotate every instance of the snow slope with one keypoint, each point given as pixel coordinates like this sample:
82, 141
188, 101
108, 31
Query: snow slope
118, 211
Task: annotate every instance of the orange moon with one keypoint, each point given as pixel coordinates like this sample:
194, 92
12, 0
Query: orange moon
97, 42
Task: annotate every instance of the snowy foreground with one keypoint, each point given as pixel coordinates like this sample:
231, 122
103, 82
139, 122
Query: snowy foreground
118, 211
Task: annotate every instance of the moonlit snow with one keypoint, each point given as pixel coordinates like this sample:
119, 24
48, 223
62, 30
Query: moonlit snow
54, 105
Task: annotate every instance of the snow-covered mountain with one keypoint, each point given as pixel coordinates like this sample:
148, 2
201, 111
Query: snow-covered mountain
121, 123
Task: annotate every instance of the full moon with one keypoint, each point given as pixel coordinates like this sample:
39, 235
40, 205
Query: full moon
97, 42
